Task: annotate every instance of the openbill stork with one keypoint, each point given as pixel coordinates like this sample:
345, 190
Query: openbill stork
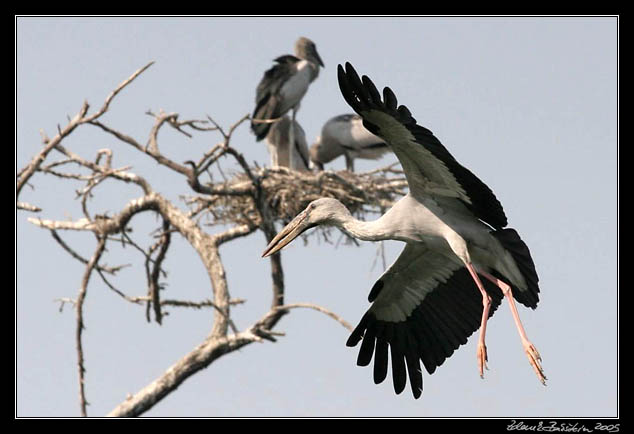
426, 304
278, 141
346, 135
283, 86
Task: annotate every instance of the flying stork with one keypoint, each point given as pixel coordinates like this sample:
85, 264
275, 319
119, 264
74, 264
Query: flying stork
345, 134
426, 304
278, 141
283, 86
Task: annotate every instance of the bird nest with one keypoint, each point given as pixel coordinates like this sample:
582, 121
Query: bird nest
287, 192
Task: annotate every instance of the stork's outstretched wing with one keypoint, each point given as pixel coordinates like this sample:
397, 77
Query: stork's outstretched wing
424, 307
429, 167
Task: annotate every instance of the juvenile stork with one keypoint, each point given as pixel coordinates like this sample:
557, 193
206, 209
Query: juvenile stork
278, 140
346, 135
426, 304
283, 86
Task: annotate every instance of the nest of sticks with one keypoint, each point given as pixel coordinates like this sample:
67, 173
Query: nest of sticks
287, 192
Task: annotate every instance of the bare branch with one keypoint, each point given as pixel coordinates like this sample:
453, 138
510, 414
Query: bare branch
63, 301
27, 207
119, 135
110, 270
164, 243
229, 150
119, 174
233, 233
199, 358
79, 305
152, 144
318, 308
265, 121
80, 118
114, 93
151, 148
177, 125
186, 303
205, 354
79, 225
29, 170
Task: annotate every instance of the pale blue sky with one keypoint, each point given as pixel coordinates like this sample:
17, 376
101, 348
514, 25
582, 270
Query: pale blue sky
529, 104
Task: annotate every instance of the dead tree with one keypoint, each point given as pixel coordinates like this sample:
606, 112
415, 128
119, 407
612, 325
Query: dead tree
255, 199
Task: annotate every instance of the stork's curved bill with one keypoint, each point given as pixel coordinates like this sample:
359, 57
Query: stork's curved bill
291, 231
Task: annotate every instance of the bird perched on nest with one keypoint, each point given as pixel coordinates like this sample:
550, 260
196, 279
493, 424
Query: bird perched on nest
278, 140
282, 89
346, 135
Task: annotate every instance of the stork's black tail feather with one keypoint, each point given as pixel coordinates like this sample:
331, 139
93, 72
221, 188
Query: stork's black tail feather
511, 241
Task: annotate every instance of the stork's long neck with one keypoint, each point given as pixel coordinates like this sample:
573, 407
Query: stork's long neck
366, 231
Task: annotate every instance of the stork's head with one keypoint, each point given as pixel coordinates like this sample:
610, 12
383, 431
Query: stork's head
321, 211
306, 49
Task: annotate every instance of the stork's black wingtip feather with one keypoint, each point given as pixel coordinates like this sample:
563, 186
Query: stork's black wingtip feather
359, 331
389, 99
341, 78
376, 289
351, 74
353, 340
346, 88
373, 92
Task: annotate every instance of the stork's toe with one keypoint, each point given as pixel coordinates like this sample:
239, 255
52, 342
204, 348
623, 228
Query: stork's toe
535, 360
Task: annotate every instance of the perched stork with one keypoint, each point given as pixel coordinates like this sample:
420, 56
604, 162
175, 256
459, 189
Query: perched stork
278, 140
345, 134
426, 304
283, 87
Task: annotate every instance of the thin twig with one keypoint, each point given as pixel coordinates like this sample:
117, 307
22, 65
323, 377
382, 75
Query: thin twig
114, 93
79, 119
110, 270
63, 301
318, 308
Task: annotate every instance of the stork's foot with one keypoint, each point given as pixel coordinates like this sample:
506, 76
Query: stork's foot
482, 358
535, 360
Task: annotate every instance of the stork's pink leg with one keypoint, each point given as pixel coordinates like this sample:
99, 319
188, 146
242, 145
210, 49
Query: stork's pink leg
481, 353
531, 352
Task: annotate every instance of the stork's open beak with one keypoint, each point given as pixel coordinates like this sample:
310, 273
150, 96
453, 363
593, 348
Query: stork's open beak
291, 231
